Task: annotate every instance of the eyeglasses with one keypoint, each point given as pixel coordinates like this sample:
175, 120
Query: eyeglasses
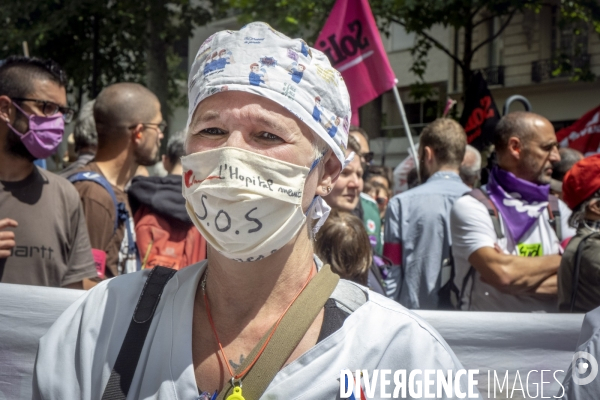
367, 156
49, 108
162, 125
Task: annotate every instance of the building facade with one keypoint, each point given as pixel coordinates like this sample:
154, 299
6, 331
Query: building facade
521, 60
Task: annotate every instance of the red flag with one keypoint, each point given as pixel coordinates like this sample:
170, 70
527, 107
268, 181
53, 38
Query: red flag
351, 40
584, 134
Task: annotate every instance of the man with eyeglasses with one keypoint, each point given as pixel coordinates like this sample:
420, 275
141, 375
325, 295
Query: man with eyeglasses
130, 127
43, 235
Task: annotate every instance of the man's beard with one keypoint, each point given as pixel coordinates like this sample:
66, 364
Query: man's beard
528, 169
146, 160
543, 179
14, 145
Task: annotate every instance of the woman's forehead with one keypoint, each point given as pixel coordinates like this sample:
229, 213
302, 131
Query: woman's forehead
249, 108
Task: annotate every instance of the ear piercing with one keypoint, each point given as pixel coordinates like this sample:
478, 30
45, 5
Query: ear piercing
327, 189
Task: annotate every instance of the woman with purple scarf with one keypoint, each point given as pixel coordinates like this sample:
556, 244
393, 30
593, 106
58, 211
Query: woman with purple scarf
512, 266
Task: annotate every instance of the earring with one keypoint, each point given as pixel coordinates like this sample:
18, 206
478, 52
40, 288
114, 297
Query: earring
328, 189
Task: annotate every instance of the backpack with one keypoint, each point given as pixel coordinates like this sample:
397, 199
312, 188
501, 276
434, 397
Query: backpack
483, 198
120, 211
167, 242
384, 277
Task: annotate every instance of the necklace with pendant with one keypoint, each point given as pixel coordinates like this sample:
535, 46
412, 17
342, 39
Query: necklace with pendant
236, 379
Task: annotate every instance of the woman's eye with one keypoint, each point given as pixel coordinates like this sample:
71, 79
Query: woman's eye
269, 136
212, 131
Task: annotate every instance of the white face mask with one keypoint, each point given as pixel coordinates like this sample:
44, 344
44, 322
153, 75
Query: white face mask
247, 206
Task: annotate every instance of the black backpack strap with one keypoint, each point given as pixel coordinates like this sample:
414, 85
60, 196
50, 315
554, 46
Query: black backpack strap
469, 276
122, 373
448, 294
555, 218
575, 276
492, 210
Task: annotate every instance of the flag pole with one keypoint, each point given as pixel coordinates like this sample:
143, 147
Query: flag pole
405, 123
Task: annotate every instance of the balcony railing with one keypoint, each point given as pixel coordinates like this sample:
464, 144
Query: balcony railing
557, 67
494, 75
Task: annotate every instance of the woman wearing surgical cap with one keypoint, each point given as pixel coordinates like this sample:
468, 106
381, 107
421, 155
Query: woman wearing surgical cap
262, 317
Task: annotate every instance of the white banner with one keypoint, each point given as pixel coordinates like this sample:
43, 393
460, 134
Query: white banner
494, 342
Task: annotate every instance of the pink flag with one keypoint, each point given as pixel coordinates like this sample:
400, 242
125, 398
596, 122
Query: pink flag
351, 41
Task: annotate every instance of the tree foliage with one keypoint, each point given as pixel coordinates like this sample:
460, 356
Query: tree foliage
419, 16
101, 42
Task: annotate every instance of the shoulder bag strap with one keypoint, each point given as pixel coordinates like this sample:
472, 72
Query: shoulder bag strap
484, 199
575, 276
291, 330
469, 276
555, 219
122, 373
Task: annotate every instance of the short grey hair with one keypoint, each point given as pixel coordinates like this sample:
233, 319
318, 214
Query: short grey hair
470, 168
568, 158
176, 147
578, 214
85, 134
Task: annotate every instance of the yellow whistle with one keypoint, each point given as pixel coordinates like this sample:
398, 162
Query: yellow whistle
236, 395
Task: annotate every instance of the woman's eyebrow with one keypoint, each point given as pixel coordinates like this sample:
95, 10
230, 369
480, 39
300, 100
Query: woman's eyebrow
209, 116
270, 123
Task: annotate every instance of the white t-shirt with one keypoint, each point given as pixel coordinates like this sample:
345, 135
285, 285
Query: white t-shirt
77, 354
472, 229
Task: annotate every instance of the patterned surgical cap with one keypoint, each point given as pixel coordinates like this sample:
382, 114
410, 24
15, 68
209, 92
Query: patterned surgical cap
258, 59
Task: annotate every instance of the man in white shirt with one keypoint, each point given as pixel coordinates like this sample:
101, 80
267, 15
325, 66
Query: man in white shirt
516, 269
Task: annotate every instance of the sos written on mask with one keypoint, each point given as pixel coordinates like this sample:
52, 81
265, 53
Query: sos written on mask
247, 206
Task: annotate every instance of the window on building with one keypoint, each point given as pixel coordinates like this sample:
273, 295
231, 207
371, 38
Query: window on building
494, 46
494, 73
570, 39
399, 39
418, 114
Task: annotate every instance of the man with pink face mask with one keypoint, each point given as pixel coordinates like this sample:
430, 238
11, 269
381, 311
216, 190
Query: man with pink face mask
43, 235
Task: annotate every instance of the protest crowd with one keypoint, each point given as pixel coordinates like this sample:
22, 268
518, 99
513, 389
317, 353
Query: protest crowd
268, 201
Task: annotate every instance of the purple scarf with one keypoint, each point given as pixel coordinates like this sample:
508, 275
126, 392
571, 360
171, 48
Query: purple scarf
518, 201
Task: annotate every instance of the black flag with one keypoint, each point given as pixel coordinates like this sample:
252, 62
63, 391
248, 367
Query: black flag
480, 115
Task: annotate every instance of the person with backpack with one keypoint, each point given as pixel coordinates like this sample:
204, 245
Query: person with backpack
579, 272
165, 234
129, 126
506, 236
262, 317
